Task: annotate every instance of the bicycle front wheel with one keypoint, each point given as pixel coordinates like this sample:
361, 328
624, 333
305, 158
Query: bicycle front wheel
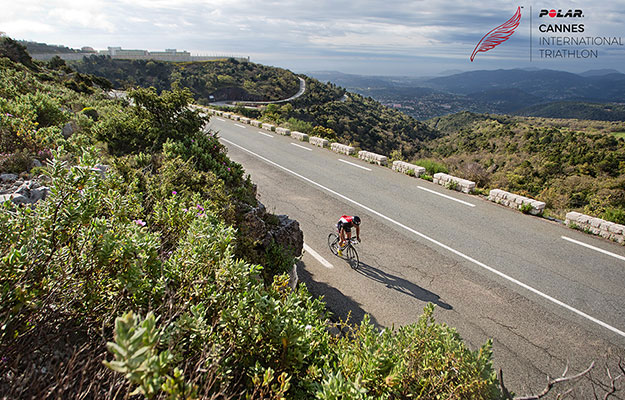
351, 255
333, 243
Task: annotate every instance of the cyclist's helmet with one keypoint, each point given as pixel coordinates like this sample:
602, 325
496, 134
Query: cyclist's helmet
356, 220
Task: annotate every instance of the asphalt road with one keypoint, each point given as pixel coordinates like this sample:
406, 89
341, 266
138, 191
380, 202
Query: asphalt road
544, 299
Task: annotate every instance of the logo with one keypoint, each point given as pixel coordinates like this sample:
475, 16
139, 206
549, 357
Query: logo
498, 35
558, 14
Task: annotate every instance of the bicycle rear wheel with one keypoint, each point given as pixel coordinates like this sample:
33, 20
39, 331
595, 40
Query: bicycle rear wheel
351, 255
333, 243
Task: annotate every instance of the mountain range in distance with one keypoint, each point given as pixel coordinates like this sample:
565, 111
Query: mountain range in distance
596, 94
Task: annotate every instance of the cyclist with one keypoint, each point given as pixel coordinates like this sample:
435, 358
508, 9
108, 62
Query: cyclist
345, 230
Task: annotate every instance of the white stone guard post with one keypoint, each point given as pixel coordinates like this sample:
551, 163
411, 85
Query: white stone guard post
402, 166
461, 185
343, 149
268, 127
256, 123
283, 131
597, 226
245, 120
317, 141
299, 136
516, 201
373, 157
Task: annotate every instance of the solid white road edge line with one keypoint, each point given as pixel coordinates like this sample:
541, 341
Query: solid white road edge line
445, 196
219, 119
593, 247
301, 147
355, 165
316, 255
444, 246
240, 126
266, 134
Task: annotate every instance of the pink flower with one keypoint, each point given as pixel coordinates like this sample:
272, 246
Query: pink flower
139, 222
174, 192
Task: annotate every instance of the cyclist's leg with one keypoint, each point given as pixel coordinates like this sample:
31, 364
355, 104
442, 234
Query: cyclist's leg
339, 226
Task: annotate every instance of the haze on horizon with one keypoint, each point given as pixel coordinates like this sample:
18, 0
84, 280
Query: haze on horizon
368, 37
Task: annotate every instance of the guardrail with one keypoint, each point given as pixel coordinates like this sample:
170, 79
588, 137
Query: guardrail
516, 201
596, 226
317, 141
373, 157
283, 131
452, 182
299, 136
402, 166
343, 149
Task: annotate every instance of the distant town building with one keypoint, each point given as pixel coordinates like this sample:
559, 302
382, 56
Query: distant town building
172, 55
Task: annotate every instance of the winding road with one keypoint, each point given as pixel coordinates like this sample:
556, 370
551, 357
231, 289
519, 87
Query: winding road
547, 295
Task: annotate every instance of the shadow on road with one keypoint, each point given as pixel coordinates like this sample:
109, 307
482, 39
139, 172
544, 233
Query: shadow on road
340, 305
401, 285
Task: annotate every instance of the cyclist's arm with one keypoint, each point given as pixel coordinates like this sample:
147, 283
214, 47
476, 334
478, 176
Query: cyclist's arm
358, 232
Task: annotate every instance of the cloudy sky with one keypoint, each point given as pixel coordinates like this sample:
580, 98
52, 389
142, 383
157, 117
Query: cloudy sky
419, 37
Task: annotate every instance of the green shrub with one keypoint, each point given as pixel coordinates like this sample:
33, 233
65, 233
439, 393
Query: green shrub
432, 167
615, 215
427, 177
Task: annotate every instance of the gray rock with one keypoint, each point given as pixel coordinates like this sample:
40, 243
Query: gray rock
39, 193
8, 177
101, 169
69, 129
36, 163
14, 197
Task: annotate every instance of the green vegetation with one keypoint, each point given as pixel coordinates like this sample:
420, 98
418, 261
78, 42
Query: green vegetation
549, 160
577, 110
142, 278
223, 80
322, 110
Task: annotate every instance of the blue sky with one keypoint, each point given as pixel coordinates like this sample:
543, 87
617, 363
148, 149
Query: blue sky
364, 37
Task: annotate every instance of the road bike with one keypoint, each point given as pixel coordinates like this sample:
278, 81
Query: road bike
349, 251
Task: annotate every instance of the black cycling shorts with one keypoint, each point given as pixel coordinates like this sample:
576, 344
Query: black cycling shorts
347, 227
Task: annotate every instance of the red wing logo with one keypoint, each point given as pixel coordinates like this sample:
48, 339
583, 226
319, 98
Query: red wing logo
498, 35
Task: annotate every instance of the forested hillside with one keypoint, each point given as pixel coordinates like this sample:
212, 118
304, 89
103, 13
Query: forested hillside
335, 113
571, 165
146, 268
224, 80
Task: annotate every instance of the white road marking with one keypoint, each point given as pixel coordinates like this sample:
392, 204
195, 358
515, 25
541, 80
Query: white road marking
593, 247
301, 147
316, 255
355, 165
445, 196
240, 126
444, 246
266, 134
219, 119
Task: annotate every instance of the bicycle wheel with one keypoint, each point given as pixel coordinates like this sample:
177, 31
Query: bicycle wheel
333, 243
351, 255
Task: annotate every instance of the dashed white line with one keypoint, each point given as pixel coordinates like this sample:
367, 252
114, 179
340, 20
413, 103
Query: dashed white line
445, 196
219, 119
266, 134
444, 246
355, 165
316, 255
593, 248
240, 126
301, 147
